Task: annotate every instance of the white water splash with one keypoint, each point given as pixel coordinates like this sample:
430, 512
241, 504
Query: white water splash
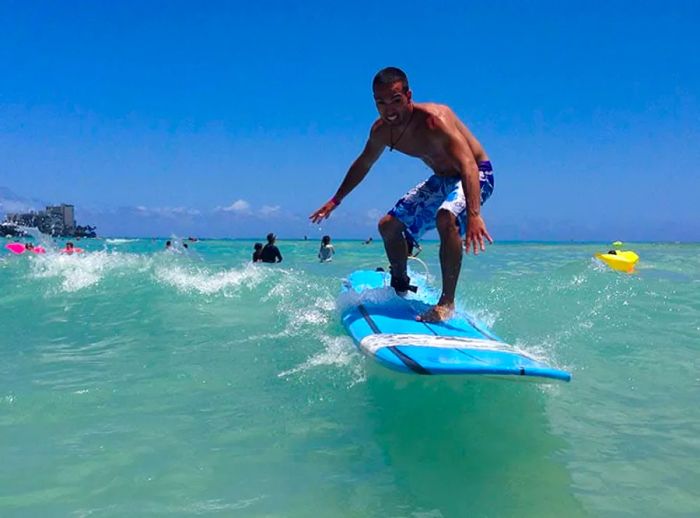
338, 352
190, 279
120, 241
79, 271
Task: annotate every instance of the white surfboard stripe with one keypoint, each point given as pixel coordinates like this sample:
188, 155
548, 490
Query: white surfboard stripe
372, 343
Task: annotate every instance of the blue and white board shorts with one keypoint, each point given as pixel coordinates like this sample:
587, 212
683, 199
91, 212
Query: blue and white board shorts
418, 208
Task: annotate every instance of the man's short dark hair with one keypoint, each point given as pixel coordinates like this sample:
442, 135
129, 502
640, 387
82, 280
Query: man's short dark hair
390, 75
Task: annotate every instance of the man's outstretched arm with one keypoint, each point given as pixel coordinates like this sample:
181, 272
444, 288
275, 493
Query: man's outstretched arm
357, 172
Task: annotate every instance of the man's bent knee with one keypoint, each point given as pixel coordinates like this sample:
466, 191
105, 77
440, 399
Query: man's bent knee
446, 222
390, 226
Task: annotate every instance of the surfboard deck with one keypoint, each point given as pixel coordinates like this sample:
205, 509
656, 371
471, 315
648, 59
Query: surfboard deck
383, 326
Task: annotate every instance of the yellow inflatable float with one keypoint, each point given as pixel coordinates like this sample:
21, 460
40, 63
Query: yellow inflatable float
620, 260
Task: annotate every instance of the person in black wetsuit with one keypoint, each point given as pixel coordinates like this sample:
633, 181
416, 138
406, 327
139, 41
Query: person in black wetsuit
270, 253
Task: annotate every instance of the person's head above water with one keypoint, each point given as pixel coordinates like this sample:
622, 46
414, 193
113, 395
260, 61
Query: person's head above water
392, 95
271, 238
168, 244
257, 246
69, 245
29, 245
326, 240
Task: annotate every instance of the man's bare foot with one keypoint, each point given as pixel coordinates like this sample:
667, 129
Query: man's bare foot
438, 313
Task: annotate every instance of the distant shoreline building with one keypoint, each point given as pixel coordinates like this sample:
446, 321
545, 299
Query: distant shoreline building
55, 220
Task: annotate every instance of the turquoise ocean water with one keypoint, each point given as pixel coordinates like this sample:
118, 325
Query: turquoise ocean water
137, 382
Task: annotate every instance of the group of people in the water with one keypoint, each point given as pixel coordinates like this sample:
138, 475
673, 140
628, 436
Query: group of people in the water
29, 247
269, 253
169, 245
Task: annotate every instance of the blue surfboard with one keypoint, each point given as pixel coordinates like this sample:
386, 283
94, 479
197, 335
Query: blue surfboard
383, 325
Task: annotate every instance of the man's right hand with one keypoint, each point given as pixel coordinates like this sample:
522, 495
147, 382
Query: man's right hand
323, 212
476, 233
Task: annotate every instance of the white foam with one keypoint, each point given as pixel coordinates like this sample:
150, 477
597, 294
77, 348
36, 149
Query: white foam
376, 296
536, 352
80, 271
338, 352
202, 280
120, 241
485, 317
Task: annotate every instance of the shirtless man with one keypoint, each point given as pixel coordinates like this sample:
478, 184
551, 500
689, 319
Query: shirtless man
433, 133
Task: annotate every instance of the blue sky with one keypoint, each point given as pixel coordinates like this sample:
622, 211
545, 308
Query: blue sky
233, 119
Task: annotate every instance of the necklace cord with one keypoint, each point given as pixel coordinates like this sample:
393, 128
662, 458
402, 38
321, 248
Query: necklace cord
392, 143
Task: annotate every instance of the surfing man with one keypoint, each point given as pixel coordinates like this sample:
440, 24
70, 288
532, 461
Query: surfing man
450, 200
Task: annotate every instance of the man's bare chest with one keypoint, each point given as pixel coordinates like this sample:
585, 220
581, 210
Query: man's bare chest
432, 153
415, 145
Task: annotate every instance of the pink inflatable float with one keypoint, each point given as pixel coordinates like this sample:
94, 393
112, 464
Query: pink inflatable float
72, 250
20, 248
